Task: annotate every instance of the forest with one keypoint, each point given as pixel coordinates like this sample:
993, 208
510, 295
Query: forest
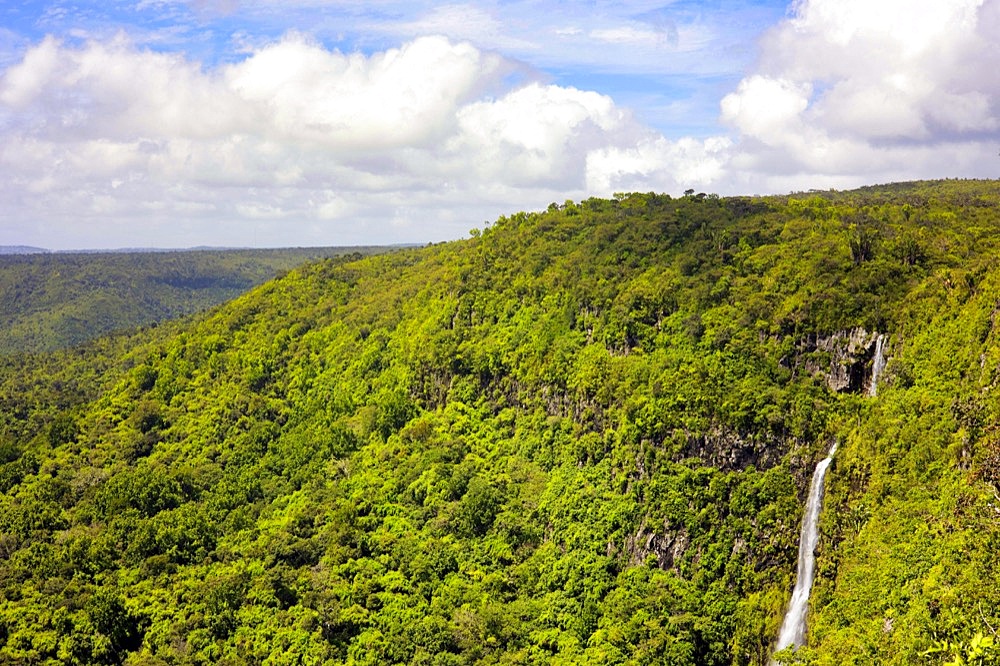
51, 301
580, 436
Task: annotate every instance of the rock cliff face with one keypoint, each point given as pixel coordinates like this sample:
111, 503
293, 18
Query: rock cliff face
729, 451
668, 548
844, 358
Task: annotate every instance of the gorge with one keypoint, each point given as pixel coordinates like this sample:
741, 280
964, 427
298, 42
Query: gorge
582, 435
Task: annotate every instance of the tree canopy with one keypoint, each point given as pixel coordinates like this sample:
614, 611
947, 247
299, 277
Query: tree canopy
581, 436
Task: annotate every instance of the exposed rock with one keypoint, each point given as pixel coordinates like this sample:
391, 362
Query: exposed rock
668, 548
843, 358
729, 451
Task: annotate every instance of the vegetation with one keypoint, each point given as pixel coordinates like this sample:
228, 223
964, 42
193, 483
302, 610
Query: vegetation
54, 301
580, 436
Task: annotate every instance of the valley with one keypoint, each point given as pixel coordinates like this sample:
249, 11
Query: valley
584, 435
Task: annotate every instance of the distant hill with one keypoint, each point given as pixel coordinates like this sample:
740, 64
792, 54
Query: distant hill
52, 300
21, 249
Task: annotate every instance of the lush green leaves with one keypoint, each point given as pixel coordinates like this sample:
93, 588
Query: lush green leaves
581, 436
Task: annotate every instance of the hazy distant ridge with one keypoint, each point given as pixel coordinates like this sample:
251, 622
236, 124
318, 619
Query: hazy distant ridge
22, 249
50, 300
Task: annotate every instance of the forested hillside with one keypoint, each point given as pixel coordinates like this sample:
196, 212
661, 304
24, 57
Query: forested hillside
54, 301
580, 436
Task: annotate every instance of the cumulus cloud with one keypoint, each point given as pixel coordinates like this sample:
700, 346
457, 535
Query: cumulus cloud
654, 163
401, 97
107, 142
854, 90
297, 139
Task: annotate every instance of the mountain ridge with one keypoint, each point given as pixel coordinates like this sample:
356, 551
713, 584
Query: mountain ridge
582, 435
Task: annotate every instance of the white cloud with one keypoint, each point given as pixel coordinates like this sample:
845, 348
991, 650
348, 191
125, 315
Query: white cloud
534, 136
304, 144
297, 139
656, 164
662, 37
629, 35
402, 97
25, 81
465, 22
857, 90
767, 109
568, 31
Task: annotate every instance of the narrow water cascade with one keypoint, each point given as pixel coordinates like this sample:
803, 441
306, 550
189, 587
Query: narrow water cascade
793, 628
878, 364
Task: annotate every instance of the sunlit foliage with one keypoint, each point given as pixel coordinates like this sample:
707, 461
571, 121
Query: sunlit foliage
580, 436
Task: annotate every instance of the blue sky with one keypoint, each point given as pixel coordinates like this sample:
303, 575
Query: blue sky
176, 123
668, 62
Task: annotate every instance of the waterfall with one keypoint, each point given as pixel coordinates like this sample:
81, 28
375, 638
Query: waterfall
878, 364
793, 629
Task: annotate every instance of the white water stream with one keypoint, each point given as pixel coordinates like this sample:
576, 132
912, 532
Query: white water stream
793, 629
878, 364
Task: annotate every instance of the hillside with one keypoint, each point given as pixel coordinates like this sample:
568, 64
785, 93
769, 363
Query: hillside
580, 436
50, 301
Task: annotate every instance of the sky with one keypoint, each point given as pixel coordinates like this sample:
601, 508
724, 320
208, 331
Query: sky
272, 123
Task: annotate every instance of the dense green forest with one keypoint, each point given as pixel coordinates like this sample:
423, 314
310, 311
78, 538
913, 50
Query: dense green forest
581, 436
53, 301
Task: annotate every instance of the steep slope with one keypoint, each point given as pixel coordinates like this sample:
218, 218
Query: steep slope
581, 436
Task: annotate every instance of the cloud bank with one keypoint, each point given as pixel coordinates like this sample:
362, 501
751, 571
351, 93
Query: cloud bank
853, 91
108, 143
412, 143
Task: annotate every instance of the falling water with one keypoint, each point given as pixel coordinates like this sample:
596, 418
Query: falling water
793, 629
878, 364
